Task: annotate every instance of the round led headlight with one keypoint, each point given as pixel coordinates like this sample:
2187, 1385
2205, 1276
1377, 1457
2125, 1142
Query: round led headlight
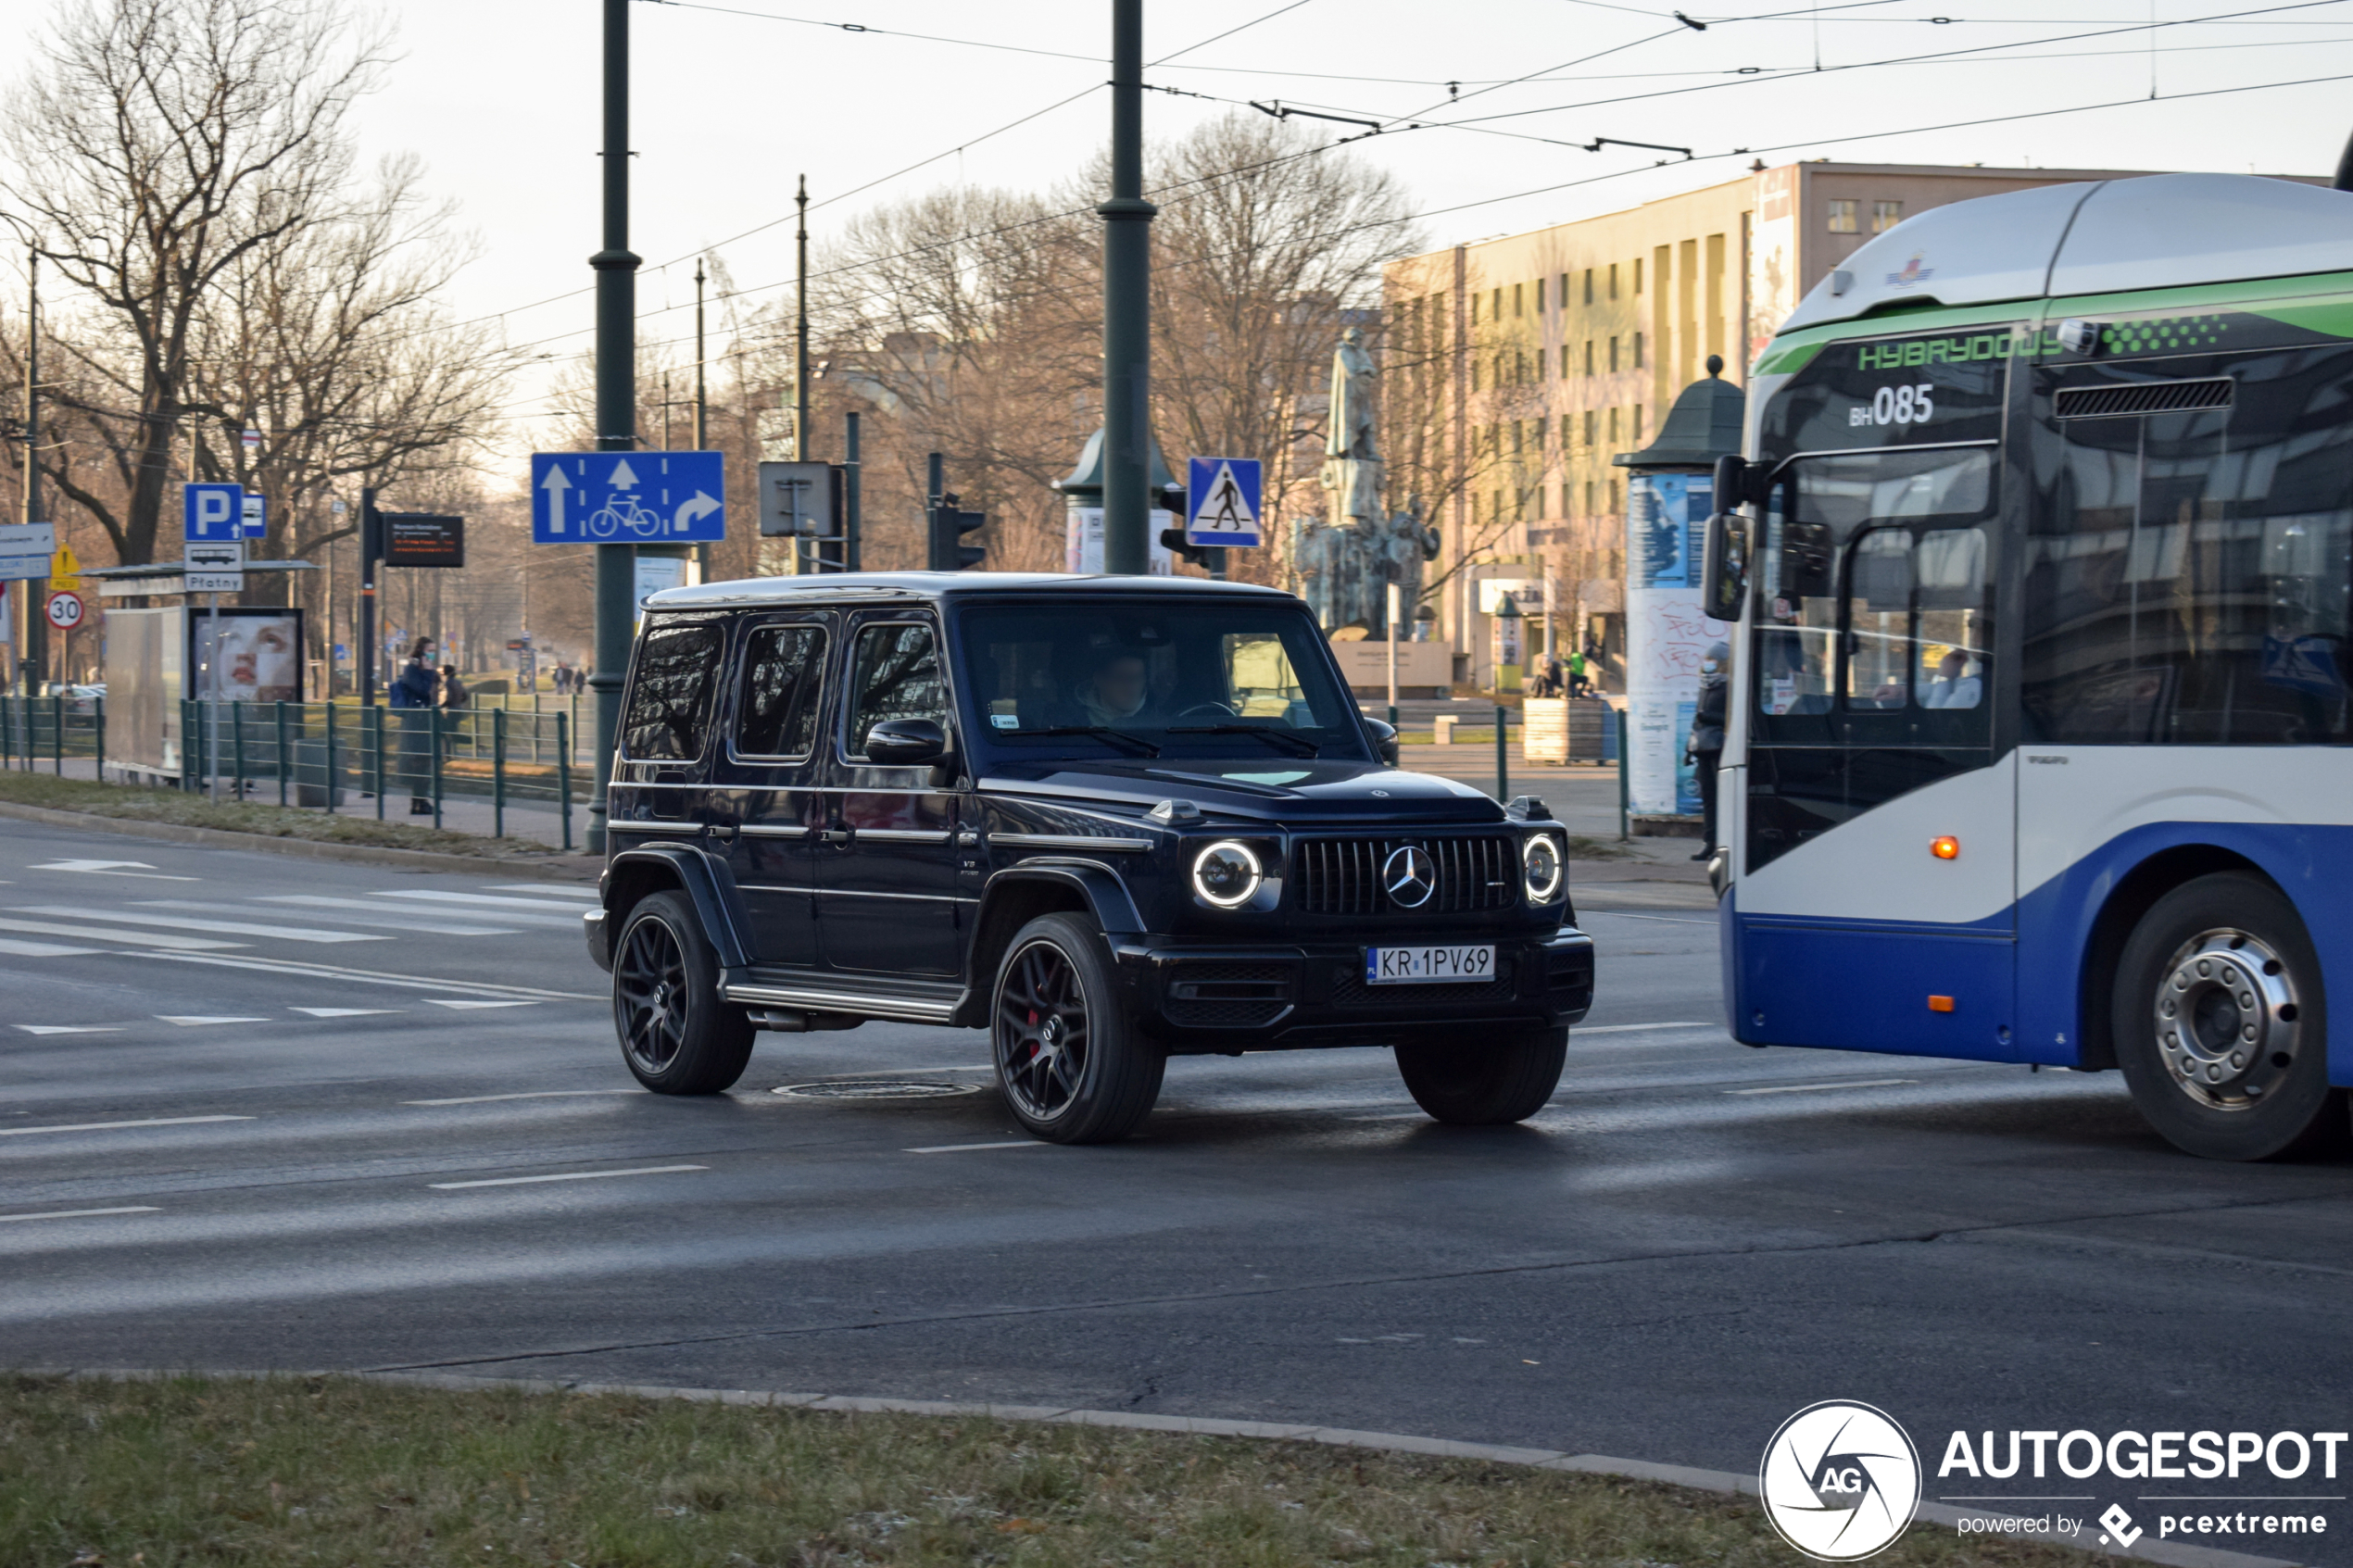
1540, 868
1227, 875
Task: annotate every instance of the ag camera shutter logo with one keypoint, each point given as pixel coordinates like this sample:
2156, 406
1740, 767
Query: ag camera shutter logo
1840, 1481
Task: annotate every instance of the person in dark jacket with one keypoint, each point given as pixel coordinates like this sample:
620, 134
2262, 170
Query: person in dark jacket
1705, 747
416, 688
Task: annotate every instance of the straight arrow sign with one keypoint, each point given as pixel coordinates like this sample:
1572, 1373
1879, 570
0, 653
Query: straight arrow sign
558, 487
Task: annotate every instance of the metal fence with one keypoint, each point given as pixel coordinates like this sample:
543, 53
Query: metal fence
334, 757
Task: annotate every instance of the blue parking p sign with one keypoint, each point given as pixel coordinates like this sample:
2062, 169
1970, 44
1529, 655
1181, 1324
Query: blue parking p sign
1220, 501
213, 512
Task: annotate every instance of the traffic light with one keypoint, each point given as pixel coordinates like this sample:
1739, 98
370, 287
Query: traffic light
949, 525
1209, 557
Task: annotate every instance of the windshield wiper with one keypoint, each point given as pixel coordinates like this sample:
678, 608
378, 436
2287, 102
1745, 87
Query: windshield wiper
1299, 746
1117, 738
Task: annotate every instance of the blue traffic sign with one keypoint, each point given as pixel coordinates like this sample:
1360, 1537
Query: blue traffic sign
628, 497
1220, 501
257, 518
212, 511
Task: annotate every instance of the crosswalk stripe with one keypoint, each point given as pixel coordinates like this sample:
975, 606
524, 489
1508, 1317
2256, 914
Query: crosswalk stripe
551, 920
225, 927
345, 1012
109, 1127
377, 977
80, 1214
383, 921
42, 950
192, 1020
565, 1176
585, 895
136, 938
437, 897
71, 1028
448, 1002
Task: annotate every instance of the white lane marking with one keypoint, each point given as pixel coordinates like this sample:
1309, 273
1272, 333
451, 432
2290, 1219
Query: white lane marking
566, 1176
139, 869
345, 1012
191, 1019
136, 938
439, 898
80, 1214
284, 967
1627, 915
551, 919
380, 921
449, 1002
527, 1094
1629, 1028
71, 1028
585, 893
1818, 1088
961, 1148
108, 1126
43, 949
181, 922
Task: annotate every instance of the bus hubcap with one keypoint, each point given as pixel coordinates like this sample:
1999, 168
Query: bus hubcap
2226, 1020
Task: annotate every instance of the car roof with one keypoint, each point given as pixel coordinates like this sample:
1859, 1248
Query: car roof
889, 587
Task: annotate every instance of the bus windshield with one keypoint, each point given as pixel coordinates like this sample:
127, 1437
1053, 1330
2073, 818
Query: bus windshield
1874, 621
1211, 677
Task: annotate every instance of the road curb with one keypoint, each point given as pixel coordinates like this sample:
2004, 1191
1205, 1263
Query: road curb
572, 869
1726, 1482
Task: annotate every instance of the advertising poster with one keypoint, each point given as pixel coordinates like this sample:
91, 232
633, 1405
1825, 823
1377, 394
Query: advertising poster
1666, 637
245, 655
1083, 541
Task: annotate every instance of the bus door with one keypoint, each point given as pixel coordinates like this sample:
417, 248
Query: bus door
1872, 906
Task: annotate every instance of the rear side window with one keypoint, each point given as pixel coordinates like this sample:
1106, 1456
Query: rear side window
895, 675
783, 669
669, 715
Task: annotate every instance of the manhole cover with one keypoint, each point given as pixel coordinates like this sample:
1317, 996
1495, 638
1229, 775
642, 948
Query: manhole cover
878, 1088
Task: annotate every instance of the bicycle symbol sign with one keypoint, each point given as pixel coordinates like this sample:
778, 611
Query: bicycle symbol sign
628, 497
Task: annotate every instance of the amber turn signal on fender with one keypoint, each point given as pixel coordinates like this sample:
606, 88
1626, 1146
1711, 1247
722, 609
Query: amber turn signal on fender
1944, 846
1940, 1004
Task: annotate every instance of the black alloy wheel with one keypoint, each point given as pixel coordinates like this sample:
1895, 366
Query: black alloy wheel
1071, 1066
678, 1035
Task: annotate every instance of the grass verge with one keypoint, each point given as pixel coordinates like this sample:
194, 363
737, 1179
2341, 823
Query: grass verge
139, 803
160, 1475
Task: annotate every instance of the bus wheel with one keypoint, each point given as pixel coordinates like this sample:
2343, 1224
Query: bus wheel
2221, 1026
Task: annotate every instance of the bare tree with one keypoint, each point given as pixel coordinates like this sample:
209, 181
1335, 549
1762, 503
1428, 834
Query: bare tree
156, 146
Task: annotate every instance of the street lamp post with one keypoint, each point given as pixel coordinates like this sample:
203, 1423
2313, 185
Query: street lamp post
616, 269
1127, 308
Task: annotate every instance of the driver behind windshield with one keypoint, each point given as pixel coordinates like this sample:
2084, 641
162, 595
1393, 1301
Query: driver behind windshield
1114, 687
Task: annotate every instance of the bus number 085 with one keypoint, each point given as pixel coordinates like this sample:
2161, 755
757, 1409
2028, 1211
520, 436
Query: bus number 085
1895, 406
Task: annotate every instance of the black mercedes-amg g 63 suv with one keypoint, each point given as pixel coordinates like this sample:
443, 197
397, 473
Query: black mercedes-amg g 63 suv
1107, 818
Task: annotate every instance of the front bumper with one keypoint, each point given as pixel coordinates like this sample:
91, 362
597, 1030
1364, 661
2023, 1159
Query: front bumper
1277, 996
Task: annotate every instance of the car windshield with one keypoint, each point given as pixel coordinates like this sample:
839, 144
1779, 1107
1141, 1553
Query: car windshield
1231, 678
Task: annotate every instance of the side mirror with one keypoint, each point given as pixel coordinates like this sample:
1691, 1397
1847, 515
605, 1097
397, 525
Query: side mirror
1384, 739
1724, 558
906, 743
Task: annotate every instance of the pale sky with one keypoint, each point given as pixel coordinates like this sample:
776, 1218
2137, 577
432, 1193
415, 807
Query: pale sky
500, 98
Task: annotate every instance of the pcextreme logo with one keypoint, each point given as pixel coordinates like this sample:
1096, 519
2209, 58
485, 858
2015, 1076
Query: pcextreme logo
1839, 1480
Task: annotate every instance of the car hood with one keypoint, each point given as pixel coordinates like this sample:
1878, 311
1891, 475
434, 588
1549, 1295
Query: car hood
1277, 788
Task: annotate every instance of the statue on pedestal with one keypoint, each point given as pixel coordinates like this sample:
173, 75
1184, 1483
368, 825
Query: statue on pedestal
1346, 562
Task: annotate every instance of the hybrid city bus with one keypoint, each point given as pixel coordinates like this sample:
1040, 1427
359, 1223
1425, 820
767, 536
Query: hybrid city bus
2042, 563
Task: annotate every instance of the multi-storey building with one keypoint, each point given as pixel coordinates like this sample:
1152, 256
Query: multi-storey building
1518, 367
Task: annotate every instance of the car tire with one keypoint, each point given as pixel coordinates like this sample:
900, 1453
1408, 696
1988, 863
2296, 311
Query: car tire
1484, 1086
2220, 1024
678, 1035
1070, 1064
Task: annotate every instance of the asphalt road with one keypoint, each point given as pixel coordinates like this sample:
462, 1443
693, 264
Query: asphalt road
308, 1115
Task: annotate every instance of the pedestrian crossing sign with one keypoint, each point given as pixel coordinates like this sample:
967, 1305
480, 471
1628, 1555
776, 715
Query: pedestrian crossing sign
1220, 501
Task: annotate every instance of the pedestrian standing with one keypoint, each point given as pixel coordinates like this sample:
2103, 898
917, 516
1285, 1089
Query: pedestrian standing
413, 692
453, 690
1705, 748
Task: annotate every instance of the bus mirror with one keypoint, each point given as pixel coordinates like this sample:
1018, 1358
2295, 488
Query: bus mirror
1724, 566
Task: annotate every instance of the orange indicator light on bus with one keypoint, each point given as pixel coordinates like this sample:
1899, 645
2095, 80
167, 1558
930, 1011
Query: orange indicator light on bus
1945, 848
1940, 1004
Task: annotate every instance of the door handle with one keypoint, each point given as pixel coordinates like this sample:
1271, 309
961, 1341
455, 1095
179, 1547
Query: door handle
838, 834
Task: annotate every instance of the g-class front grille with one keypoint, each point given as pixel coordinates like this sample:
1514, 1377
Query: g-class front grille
1342, 876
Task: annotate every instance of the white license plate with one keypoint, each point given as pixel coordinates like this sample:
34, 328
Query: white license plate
1424, 966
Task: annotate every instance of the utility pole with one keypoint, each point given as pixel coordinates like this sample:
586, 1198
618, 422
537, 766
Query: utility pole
702, 417
1127, 308
849, 492
616, 269
32, 612
814, 559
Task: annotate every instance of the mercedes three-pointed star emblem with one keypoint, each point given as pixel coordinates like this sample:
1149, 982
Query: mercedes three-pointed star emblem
1410, 876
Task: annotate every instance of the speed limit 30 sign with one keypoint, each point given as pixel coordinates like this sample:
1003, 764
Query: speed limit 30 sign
66, 610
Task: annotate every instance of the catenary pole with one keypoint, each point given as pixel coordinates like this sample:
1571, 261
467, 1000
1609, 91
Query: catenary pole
616, 269
702, 415
816, 559
33, 612
1127, 307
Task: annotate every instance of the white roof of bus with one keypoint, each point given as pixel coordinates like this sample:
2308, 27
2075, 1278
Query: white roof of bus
2161, 230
